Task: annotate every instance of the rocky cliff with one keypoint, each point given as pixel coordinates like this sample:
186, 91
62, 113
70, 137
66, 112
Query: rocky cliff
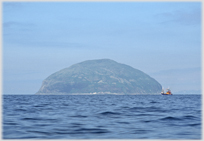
102, 76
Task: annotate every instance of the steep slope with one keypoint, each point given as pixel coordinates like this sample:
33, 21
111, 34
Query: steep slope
99, 76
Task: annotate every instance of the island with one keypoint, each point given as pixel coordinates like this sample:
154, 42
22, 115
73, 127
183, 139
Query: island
101, 76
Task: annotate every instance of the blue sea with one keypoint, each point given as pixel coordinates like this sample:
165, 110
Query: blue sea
101, 117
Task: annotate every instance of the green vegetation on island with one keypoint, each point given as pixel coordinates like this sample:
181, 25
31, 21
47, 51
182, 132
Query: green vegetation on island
102, 76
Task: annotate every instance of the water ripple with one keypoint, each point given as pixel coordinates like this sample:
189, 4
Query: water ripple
101, 117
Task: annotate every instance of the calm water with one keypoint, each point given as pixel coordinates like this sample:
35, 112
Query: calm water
101, 117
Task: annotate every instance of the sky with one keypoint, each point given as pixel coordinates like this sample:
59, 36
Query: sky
162, 39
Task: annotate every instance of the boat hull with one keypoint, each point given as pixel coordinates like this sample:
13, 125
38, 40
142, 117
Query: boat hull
166, 94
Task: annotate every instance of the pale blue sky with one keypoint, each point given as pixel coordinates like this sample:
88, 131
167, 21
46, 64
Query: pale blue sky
162, 39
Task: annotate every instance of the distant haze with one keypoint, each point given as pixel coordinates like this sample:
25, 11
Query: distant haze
162, 39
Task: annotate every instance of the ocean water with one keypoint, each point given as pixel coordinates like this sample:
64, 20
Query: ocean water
101, 117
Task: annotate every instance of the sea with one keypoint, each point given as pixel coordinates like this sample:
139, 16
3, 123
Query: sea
101, 116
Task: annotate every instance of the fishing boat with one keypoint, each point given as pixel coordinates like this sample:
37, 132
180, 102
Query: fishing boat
168, 92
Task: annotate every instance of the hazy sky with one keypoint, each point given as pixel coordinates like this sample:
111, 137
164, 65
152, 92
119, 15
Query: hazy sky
162, 39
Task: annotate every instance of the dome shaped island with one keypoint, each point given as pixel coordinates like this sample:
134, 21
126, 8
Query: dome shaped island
103, 76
